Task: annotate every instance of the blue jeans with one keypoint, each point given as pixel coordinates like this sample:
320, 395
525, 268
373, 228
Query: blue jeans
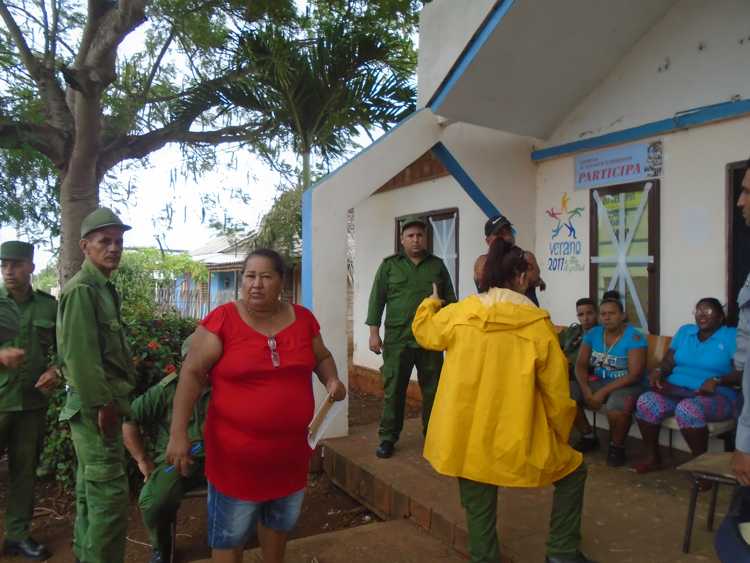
231, 521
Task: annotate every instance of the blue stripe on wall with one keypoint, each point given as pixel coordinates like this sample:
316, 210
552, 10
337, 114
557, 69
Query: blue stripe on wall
463, 178
681, 120
467, 56
307, 249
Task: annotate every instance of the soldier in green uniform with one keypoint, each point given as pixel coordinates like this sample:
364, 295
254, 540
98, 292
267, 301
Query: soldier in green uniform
402, 281
97, 364
164, 488
23, 394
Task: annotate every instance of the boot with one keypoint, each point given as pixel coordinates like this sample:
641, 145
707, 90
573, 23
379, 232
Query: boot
650, 435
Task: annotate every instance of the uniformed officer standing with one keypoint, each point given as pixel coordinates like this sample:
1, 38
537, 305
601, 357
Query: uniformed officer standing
97, 364
23, 394
164, 488
402, 282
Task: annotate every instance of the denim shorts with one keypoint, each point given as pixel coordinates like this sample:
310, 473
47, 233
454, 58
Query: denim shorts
232, 521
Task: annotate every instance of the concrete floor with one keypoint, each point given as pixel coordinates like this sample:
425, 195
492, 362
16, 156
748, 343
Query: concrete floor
627, 517
397, 541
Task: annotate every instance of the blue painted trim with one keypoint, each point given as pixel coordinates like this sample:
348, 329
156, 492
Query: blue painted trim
307, 213
471, 50
681, 120
463, 178
380, 139
307, 251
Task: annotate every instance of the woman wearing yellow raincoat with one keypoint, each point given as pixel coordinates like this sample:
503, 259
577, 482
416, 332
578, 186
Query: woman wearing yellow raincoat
503, 411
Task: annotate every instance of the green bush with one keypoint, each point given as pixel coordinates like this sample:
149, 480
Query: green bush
155, 343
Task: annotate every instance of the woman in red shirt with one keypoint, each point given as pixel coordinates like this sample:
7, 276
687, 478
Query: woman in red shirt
259, 355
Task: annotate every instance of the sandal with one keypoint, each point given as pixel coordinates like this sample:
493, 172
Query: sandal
648, 467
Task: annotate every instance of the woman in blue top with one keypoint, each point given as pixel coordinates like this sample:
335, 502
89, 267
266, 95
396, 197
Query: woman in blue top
610, 364
692, 383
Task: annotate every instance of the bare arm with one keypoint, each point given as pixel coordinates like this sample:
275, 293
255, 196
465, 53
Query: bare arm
636, 365
205, 350
582, 369
133, 440
326, 369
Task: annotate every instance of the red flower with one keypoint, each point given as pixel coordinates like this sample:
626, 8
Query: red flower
153, 345
169, 368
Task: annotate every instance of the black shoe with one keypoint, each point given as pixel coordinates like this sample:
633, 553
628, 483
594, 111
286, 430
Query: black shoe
156, 557
616, 456
385, 449
587, 444
577, 558
27, 548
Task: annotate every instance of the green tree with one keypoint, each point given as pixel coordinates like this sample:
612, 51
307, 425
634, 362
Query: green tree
81, 105
345, 71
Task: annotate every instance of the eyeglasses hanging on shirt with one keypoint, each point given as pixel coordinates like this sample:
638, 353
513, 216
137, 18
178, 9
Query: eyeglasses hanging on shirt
274, 351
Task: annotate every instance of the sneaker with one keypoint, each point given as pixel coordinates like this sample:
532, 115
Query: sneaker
385, 450
616, 456
587, 444
28, 548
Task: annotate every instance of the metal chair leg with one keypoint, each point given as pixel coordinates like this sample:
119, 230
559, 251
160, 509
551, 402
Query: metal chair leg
712, 506
691, 517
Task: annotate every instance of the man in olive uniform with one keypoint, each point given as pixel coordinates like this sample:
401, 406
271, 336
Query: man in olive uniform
402, 281
23, 394
97, 364
164, 488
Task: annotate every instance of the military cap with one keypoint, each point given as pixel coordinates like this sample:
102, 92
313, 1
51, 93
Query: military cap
411, 221
186, 346
101, 218
10, 319
16, 250
495, 224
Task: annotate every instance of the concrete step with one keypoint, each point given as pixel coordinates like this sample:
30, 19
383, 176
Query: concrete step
627, 518
397, 541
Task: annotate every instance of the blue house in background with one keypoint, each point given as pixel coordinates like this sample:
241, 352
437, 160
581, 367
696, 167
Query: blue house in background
224, 258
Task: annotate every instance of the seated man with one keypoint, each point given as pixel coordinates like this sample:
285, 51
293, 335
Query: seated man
164, 487
570, 342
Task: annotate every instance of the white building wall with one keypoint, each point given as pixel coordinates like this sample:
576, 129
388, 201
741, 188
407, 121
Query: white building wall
697, 55
445, 27
693, 218
498, 163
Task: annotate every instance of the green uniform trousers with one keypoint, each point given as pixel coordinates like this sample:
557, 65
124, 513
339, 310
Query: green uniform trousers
480, 502
21, 435
160, 499
398, 362
101, 493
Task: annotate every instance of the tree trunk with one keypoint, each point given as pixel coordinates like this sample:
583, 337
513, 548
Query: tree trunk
306, 173
79, 192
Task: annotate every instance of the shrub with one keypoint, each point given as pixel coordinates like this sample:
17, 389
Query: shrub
155, 344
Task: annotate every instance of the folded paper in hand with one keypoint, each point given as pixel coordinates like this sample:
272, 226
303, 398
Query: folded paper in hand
322, 419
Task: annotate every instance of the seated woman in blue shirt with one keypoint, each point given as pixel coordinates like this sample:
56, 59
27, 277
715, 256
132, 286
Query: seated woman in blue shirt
692, 383
610, 365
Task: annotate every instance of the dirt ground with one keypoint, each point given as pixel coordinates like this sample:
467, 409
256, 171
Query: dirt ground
326, 508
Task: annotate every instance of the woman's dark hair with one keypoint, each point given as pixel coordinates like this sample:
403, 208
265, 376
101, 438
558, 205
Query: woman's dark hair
613, 296
714, 303
585, 301
278, 262
504, 262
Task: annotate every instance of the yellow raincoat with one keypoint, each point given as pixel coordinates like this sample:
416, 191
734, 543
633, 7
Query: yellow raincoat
503, 412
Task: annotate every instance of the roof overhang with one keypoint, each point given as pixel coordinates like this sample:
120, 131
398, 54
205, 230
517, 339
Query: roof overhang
532, 61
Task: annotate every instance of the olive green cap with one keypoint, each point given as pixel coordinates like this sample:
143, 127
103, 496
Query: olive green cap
99, 219
411, 221
10, 319
186, 346
16, 250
